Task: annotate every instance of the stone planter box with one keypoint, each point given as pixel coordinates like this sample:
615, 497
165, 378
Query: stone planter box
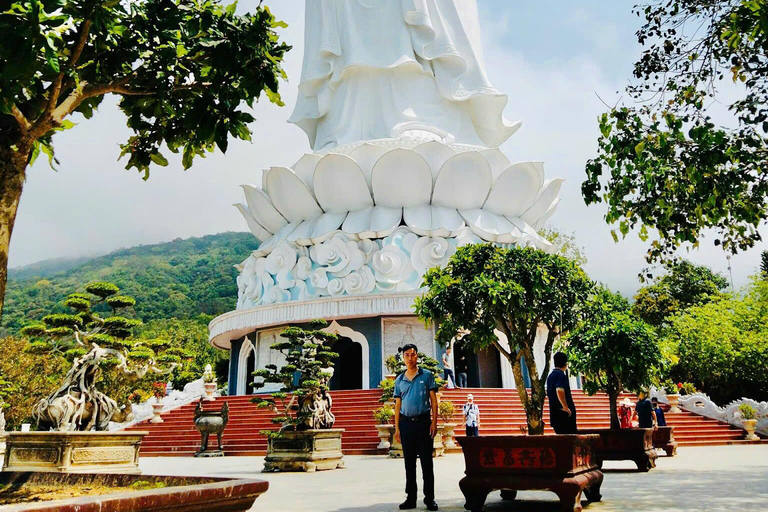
73, 452
635, 444
563, 464
2, 449
664, 438
396, 448
190, 494
308, 450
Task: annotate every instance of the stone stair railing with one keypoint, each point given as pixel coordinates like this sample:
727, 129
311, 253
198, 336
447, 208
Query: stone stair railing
173, 400
701, 404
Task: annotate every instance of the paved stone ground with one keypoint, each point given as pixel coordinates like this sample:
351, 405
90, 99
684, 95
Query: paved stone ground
720, 478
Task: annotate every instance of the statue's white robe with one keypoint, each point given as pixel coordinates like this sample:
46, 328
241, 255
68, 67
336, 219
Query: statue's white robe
377, 69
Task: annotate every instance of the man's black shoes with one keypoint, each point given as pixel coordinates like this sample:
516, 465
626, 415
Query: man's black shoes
431, 505
408, 504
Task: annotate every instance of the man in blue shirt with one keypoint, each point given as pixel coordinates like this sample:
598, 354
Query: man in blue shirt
661, 421
562, 411
646, 417
416, 425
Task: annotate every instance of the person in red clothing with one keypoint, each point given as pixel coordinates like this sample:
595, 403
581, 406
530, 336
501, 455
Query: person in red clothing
625, 413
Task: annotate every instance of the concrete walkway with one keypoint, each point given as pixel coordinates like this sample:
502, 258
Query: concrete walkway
716, 478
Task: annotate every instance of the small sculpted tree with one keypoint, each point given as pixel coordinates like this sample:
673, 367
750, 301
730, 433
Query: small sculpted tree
304, 378
484, 289
183, 70
94, 343
612, 349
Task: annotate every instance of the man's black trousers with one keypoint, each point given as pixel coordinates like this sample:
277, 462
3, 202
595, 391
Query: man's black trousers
562, 423
417, 442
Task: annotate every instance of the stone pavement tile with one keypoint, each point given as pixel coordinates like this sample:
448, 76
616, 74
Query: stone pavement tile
720, 478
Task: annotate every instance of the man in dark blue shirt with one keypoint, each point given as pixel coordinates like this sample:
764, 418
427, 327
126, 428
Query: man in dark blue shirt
646, 417
416, 425
562, 411
661, 421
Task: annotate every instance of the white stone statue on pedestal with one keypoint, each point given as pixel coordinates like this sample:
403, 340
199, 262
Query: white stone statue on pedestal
378, 69
405, 128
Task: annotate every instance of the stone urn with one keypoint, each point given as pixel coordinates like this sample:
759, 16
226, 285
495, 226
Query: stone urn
157, 409
210, 389
211, 422
385, 434
749, 426
673, 401
447, 431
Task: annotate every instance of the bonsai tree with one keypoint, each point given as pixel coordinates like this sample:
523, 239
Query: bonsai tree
486, 289
445, 410
304, 377
384, 415
94, 343
614, 350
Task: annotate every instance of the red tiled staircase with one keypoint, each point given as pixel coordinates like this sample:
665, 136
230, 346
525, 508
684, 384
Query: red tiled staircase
500, 413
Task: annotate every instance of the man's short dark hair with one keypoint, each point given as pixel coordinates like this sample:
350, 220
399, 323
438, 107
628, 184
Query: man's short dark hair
560, 359
410, 346
654, 399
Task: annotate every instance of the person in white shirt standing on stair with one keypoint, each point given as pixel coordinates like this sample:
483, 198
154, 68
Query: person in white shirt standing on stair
471, 416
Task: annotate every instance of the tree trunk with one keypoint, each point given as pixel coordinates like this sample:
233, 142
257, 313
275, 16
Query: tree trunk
13, 165
535, 410
613, 398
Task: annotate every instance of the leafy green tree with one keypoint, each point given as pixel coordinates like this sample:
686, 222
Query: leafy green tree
485, 288
671, 170
764, 264
722, 346
94, 343
304, 377
566, 244
684, 285
614, 350
183, 69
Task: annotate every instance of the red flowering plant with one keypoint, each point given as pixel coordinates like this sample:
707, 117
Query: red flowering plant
158, 389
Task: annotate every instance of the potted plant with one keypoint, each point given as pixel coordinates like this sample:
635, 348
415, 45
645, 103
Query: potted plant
749, 418
158, 391
615, 351
209, 383
673, 395
383, 417
392, 364
446, 410
306, 440
489, 296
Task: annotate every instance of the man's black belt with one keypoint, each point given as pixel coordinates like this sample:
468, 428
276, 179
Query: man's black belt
420, 417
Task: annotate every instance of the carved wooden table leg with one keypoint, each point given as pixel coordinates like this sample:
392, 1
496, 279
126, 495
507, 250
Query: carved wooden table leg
508, 495
474, 495
570, 498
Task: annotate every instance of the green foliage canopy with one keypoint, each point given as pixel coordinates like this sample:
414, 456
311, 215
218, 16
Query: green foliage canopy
722, 346
670, 169
485, 288
614, 350
684, 285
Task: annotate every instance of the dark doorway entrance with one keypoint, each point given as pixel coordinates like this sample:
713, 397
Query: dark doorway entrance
250, 367
348, 368
483, 368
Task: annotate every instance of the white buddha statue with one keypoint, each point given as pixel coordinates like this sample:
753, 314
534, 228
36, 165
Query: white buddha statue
397, 69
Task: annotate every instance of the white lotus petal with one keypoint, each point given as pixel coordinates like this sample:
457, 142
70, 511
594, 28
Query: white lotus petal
550, 211
401, 178
516, 189
530, 236
546, 197
291, 196
431, 220
491, 227
262, 209
376, 222
278, 238
436, 154
366, 157
264, 173
463, 182
497, 160
305, 168
257, 229
340, 186
317, 230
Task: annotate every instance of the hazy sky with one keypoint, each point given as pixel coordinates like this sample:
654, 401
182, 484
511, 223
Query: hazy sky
555, 60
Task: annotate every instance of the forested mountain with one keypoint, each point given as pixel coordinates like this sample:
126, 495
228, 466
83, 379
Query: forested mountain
179, 279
